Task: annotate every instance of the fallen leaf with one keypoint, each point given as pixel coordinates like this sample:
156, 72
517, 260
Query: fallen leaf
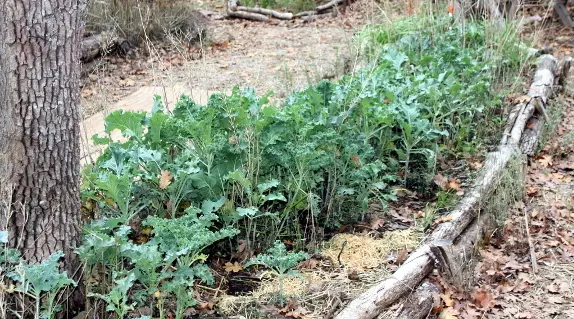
206, 305
483, 299
454, 185
310, 263
448, 313
522, 99
296, 314
447, 299
443, 219
233, 267
545, 161
475, 165
531, 191
377, 223
402, 256
356, 160
289, 307
165, 179
440, 180
471, 313
553, 288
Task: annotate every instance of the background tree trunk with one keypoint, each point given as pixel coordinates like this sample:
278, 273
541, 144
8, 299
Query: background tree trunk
39, 127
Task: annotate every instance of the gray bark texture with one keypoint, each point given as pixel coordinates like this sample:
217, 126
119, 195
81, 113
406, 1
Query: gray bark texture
39, 127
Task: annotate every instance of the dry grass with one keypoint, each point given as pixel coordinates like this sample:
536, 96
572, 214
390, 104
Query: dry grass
322, 290
361, 252
138, 20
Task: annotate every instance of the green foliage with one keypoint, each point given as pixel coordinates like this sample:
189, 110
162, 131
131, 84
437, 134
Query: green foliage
278, 259
117, 298
146, 269
183, 239
42, 283
280, 262
320, 157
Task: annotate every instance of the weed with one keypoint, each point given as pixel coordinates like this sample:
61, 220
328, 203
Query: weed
508, 191
41, 283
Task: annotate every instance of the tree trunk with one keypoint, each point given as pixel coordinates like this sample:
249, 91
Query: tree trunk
39, 128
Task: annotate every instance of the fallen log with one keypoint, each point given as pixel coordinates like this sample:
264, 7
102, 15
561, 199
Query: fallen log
419, 304
101, 44
257, 14
329, 5
304, 14
541, 88
369, 304
530, 138
267, 12
454, 261
248, 16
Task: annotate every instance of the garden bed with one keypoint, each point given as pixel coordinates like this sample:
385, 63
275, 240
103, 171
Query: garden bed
356, 173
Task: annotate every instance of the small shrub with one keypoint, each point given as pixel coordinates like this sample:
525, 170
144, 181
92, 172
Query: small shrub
165, 266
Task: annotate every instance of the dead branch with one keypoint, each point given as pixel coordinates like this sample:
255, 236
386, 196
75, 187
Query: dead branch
304, 14
533, 260
101, 44
329, 5
248, 16
267, 12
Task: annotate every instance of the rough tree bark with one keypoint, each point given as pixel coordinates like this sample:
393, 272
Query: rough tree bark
39, 128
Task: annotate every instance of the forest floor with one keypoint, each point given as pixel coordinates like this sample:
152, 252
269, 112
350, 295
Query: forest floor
527, 272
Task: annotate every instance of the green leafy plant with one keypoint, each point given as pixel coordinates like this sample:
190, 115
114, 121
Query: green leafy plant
146, 269
279, 262
42, 283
